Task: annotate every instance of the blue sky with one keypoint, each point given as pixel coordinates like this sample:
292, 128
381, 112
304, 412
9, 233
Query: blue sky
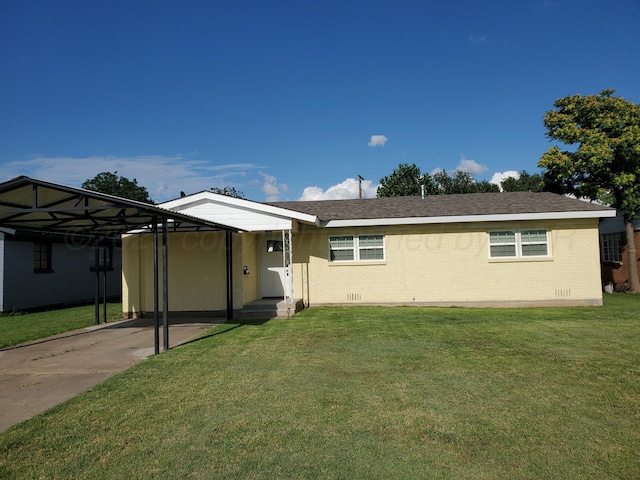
294, 99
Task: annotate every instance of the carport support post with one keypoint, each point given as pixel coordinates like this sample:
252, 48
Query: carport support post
96, 254
104, 279
156, 309
165, 285
229, 257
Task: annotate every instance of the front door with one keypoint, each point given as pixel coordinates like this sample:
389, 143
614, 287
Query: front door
273, 270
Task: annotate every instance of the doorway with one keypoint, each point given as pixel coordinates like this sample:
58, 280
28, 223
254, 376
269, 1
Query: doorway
272, 266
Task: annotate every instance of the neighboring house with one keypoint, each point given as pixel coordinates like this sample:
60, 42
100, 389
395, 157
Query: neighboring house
44, 270
613, 250
490, 249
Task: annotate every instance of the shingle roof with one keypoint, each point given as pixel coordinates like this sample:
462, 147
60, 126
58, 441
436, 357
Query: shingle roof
507, 203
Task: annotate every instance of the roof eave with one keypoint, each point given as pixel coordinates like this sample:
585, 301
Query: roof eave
242, 203
365, 222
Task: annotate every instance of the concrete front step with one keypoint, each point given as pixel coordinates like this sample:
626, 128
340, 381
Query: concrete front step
271, 308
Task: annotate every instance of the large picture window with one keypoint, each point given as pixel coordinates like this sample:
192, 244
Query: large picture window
514, 243
356, 248
611, 247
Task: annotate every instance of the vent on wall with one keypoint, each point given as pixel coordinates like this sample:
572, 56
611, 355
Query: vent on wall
563, 292
353, 297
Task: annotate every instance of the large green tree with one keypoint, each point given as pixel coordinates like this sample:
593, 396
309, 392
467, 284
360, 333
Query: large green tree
526, 182
408, 180
111, 183
461, 182
405, 181
603, 163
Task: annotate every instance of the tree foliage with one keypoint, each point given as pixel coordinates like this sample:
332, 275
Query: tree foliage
111, 183
461, 182
408, 180
228, 191
604, 163
404, 181
526, 182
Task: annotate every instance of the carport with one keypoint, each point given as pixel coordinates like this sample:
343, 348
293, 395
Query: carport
36, 205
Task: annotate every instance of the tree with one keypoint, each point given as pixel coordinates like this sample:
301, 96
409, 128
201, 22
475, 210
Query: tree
526, 182
462, 182
107, 182
228, 191
406, 180
605, 162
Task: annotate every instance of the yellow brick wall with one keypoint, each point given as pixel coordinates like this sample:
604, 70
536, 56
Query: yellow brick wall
131, 275
250, 259
197, 272
449, 264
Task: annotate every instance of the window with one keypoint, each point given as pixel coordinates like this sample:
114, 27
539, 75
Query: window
525, 243
611, 247
534, 243
105, 258
42, 257
274, 246
345, 248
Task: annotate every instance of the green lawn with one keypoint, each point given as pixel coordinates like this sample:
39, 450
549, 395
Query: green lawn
18, 328
362, 393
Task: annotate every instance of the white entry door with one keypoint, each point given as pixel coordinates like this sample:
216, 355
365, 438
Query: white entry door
272, 266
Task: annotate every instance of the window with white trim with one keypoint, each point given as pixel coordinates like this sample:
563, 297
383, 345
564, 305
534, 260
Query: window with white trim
356, 248
611, 247
518, 243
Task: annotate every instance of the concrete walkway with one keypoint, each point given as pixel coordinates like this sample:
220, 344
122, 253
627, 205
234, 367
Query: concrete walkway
39, 375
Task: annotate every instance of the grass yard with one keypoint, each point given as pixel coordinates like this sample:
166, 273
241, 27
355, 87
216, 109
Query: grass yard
362, 393
19, 328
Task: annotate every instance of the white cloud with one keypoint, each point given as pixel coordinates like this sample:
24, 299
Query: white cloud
470, 166
163, 176
498, 177
377, 141
474, 39
348, 189
272, 188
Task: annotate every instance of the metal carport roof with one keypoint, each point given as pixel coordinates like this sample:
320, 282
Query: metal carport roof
37, 205
31, 204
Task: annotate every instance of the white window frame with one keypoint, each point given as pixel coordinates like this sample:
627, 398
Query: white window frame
518, 244
611, 247
357, 248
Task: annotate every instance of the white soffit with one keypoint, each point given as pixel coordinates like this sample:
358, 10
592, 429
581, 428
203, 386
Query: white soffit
245, 214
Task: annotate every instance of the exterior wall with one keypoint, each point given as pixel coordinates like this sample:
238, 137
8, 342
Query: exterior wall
132, 285
196, 267
71, 280
251, 260
618, 272
448, 264
2, 272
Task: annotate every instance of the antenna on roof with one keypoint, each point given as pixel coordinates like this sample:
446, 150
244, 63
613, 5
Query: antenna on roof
360, 179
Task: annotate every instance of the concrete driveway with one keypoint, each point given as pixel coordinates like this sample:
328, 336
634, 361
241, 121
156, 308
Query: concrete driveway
37, 376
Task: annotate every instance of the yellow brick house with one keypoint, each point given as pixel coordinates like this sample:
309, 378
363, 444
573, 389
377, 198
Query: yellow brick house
490, 249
